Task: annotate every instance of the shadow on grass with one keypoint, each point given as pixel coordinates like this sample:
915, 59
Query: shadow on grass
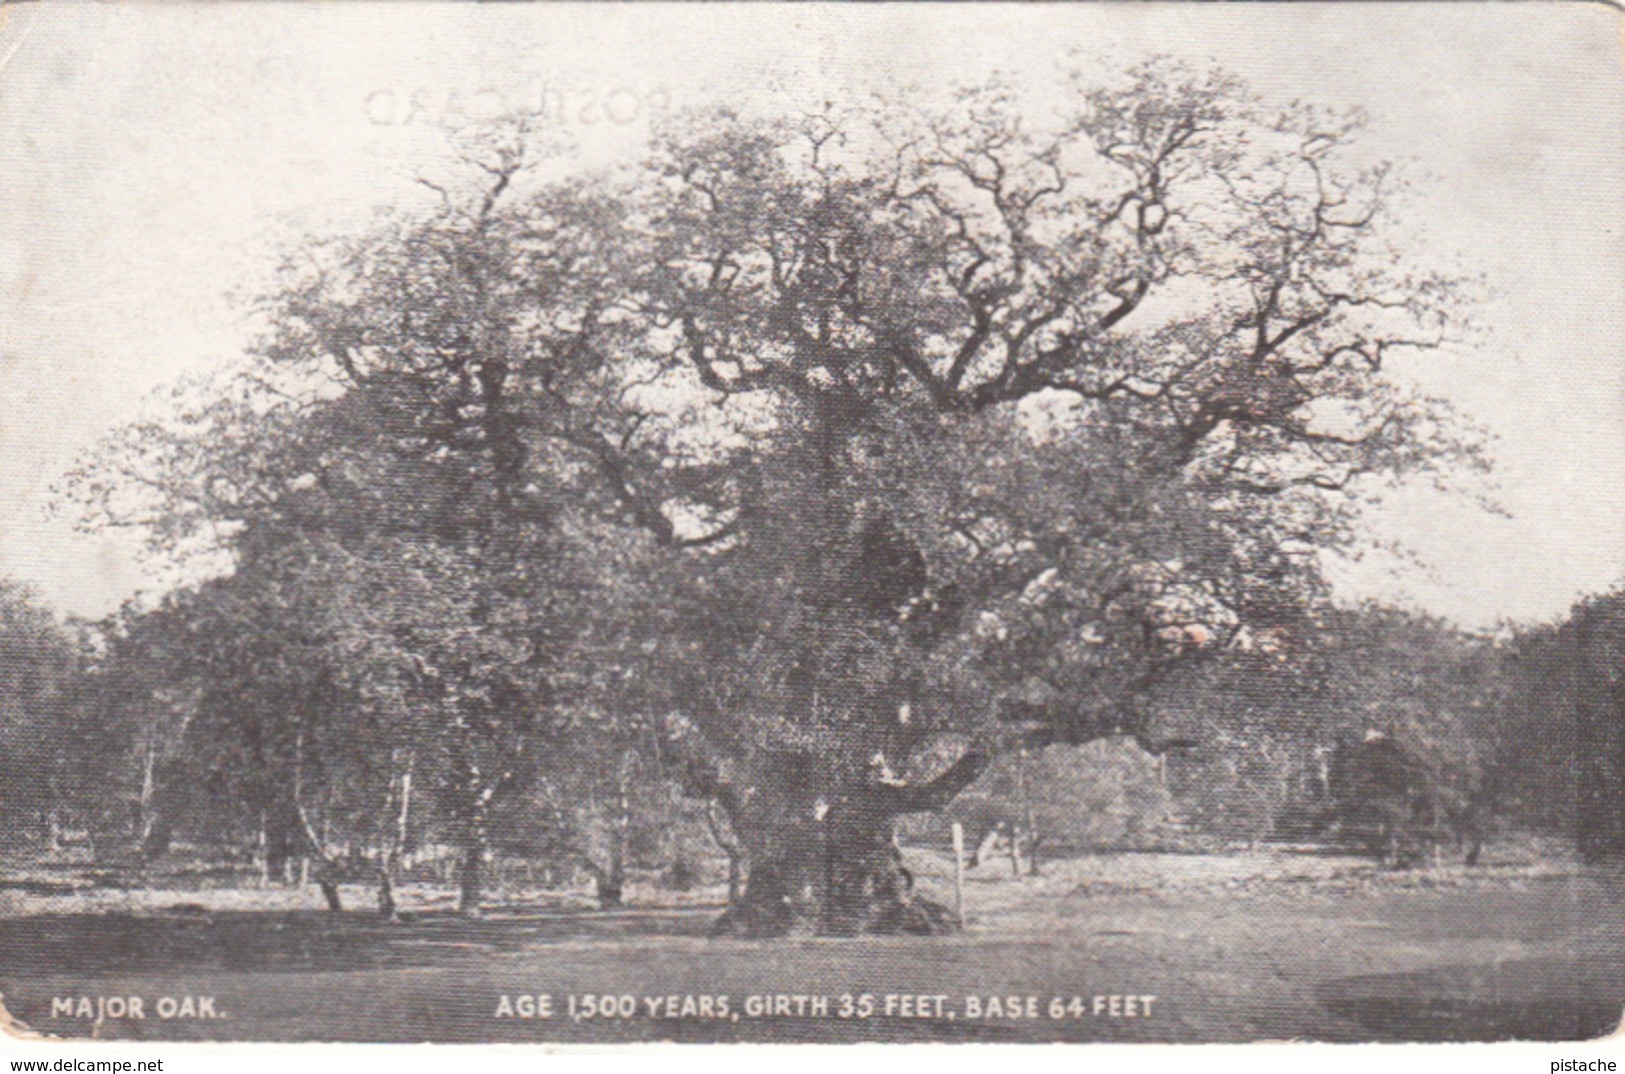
1532, 999
187, 939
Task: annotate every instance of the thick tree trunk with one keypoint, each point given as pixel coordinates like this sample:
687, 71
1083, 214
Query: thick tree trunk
387, 907
612, 881
609, 881
828, 870
471, 881
326, 872
1028, 832
611, 886
722, 834
476, 857
395, 844
985, 847
157, 840
476, 793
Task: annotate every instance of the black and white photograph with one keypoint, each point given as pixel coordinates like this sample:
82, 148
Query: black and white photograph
585, 525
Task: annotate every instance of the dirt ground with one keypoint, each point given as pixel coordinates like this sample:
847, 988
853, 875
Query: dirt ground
1164, 947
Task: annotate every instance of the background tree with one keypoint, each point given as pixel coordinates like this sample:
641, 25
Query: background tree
1032, 806
1283, 715
1597, 638
1561, 755
378, 479
42, 691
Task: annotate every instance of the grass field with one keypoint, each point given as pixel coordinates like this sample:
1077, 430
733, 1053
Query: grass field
1246, 946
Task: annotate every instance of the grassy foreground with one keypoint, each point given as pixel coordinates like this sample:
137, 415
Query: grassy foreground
1113, 947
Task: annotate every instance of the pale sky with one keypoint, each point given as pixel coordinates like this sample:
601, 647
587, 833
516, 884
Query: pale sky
151, 157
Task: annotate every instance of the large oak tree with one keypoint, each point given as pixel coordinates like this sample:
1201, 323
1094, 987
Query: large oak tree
913, 436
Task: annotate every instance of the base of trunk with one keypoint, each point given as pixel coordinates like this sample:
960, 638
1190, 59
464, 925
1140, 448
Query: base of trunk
918, 916
330, 893
387, 907
471, 881
856, 887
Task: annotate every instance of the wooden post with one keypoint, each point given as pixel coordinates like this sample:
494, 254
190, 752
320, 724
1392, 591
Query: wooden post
959, 873
149, 819
262, 849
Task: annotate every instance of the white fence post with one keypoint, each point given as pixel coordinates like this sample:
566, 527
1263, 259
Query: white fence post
959, 873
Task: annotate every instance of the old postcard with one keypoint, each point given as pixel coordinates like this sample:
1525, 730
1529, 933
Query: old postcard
895, 523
